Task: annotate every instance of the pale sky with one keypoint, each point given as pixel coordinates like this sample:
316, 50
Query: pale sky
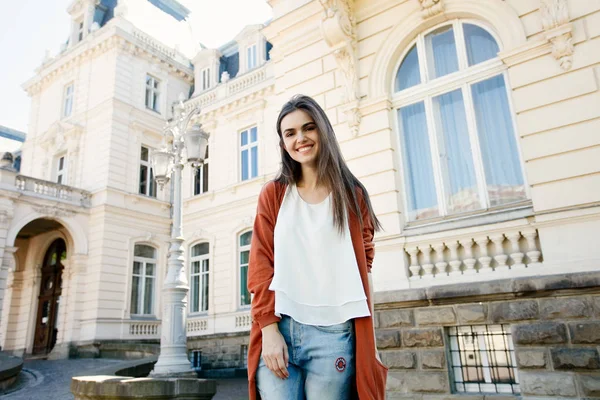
29, 27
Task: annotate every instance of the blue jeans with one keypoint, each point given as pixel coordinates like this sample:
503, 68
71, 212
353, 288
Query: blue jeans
321, 363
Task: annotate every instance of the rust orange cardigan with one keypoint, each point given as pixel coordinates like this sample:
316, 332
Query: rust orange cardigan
370, 373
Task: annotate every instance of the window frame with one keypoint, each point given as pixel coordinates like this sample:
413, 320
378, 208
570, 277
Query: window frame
61, 173
154, 91
482, 334
143, 276
248, 147
202, 275
426, 91
239, 251
251, 55
68, 100
205, 79
80, 29
150, 184
198, 174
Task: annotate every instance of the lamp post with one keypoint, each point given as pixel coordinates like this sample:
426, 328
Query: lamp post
173, 360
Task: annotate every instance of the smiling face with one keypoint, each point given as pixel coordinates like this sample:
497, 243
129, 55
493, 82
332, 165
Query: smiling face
300, 137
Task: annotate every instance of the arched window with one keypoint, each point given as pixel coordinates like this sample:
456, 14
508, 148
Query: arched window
244, 258
144, 280
199, 270
458, 144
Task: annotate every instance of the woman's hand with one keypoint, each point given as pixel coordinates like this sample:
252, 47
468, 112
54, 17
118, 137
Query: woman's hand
275, 351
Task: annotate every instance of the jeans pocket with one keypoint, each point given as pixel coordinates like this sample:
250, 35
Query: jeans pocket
344, 327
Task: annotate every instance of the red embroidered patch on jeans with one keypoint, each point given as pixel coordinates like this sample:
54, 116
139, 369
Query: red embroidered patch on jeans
340, 364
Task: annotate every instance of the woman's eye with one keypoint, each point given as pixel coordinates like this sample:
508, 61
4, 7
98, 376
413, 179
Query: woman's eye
310, 128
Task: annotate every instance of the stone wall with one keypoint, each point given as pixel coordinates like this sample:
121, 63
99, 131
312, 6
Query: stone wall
226, 351
554, 323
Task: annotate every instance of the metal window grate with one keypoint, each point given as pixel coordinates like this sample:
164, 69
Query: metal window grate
483, 359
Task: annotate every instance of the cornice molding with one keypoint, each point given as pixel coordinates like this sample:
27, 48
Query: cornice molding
120, 40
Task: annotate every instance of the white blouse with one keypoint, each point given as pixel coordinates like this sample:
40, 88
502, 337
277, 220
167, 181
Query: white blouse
316, 280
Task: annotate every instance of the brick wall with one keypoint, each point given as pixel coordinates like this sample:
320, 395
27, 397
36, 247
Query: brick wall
554, 323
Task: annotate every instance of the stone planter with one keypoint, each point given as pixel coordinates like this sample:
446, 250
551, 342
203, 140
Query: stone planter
104, 387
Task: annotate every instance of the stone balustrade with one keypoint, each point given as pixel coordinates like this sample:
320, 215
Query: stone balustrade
196, 326
243, 321
55, 190
485, 253
248, 79
226, 89
144, 329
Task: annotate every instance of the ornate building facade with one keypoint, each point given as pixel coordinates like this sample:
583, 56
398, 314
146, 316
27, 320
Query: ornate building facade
472, 123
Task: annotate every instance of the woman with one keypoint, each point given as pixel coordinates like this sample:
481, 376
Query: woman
312, 333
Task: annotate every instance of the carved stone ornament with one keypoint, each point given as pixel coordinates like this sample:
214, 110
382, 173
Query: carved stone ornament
54, 211
555, 20
339, 31
429, 8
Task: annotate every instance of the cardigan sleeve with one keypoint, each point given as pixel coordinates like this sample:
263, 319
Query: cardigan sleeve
261, 265
368, 230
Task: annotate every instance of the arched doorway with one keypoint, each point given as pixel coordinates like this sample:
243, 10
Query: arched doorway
50, 291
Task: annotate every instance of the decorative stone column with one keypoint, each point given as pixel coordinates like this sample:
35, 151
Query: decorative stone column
72, 275
7, 270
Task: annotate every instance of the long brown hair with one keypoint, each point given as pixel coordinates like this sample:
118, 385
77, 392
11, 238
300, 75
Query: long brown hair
332, 170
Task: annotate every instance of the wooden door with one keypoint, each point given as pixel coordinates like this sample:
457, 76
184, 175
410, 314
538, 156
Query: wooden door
50, 290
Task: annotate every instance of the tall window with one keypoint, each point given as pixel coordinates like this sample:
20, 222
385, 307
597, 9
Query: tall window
482, 359
201, 177
68, 100
249, 153
152, 93
61, 168
147, 184
205, 79
458, 143
251, 58
79, 31
244, 258
143, 281
199, 278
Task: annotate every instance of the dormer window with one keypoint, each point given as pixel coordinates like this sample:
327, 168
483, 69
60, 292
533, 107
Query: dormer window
79, 31
205, 84
251, 57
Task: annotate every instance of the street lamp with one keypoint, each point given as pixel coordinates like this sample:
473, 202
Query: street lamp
173, 360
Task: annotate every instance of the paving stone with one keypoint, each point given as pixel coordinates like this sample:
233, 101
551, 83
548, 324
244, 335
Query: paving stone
387, 338
471, 313
547, 384
568, 359
589, 384
399, 359
540, 333
531, 358
577, 307
434, 359
425, 337
395, 318
514, 311
435, 316
585, 332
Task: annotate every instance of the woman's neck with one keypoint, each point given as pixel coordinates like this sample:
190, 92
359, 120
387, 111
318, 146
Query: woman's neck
309, 178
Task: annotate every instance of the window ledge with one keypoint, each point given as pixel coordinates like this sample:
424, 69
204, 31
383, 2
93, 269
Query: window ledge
141, 317
521, 210
202, 314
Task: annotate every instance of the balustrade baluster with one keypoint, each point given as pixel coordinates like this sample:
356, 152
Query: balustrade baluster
516, 255
455, 262
440, 264
414, 267
500, 257
484, 259
427, 265
469, 260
